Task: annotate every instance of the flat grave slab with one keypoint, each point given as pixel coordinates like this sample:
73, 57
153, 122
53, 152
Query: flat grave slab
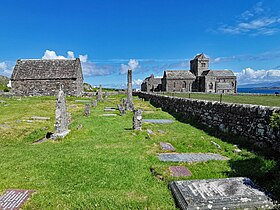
166, 146
108, 107
178, 171
158, 121
13, 199
190, 157
83, 101
109, 110
40, 118
109, 115
227, 193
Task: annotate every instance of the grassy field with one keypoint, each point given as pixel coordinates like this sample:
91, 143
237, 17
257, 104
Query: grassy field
105, 164
265, 100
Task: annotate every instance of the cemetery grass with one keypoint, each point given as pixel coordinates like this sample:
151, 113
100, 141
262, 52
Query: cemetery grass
264, 100
105, 164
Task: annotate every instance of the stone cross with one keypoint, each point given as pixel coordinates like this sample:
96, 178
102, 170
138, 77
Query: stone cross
99, 95
137, 120
94, 103
61, 117
129, 103
87, 110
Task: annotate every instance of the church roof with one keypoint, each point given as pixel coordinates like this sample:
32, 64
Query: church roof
200, 56
218, 73
179, 74
46, 69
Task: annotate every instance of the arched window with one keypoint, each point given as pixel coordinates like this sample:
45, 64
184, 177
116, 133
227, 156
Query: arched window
232, 84
184, 84
210, 85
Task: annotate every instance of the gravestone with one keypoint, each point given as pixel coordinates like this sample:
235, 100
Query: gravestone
137, 120
227, 193
99, 94
190, 157
109, 109
121, 109
87, 110
82, 101
158, 121
13, 199
109, 115
94, 103
178, 171
40, 118
62, 121
129, 104
167, 146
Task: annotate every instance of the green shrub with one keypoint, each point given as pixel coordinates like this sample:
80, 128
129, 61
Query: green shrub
275, 120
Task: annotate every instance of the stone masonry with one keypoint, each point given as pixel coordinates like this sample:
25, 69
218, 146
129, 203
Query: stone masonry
249, 121
129, 103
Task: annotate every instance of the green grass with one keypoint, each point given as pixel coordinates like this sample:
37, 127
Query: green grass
265, 100
106, 165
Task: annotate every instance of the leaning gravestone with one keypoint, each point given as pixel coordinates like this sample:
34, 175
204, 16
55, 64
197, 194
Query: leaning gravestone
61, 125
87, 110
228, 193
190, 157
137, 120
94, 103
14, 199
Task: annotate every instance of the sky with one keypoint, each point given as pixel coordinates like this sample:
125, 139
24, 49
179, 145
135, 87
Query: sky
149, 36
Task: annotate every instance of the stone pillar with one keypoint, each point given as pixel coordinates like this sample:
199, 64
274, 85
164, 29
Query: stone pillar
137, 120
87, 110
129, 103
61, 117
94, 103
99, 95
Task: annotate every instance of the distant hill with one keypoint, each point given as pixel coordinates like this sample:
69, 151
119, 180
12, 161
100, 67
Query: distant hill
267, 85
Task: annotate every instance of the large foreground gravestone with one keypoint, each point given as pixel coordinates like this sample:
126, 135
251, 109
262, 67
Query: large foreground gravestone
228, 193
62, 120
158, 121
190, 157
137, 120
13, 199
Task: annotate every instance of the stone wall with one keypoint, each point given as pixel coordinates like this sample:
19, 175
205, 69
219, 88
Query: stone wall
46, 87
250, 121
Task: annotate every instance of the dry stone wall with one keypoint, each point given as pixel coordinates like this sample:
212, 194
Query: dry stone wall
250, 121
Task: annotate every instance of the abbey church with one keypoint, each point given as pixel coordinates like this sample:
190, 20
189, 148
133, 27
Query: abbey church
198, 79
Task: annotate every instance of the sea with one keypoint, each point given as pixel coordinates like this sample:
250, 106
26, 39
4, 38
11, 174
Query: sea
258, 90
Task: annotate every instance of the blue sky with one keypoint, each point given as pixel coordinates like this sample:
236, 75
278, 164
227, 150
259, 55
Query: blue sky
150, 36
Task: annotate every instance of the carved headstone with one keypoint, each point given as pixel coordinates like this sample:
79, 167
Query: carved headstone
99, 95
87, 110
61, 125
129, 102
137, 120
228, 193
94, 103
121, 109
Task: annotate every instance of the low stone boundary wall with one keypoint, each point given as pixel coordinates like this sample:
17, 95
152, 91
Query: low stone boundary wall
250, 121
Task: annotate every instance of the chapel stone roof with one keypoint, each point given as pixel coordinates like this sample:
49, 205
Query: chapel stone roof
218, 73
200, 56
46, 69
179, 74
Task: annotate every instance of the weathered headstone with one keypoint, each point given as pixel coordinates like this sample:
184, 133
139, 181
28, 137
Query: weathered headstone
178, 171
61, 125
227, 193
87, 110
129, 103
94, 103
121, 109
190, 157
158, 121
13, 199
137, 120
99, 94
167, 146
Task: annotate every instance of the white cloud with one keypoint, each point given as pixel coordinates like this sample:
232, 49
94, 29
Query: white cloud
70, 55
83, 58
250, 76
6, 68
132, 64
50, 54
3, 66
137, 82
256, 21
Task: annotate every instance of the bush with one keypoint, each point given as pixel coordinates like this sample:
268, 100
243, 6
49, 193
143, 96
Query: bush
275, 120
